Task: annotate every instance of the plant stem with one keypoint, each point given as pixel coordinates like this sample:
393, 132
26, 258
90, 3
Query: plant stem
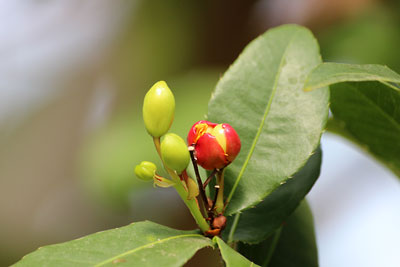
191, 204
219, 205
271, 250
209, 178
215, 197
193, 208
199, 182
156, 141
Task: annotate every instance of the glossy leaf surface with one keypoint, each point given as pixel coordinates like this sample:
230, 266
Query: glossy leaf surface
231, 257
256, 224
138, 244
329, 73
262, 97
369, 114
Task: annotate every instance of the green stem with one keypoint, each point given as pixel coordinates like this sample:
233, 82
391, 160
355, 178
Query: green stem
191, 204
156, 141
193, 208
219, 206
271, 250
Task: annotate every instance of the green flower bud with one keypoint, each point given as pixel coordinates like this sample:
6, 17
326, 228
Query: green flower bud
158, 109
145, 170
174, 153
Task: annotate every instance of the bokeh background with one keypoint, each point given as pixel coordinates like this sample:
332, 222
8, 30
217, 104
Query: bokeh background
72, 78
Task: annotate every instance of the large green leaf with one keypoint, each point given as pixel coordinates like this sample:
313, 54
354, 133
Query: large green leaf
138, 244
292, 245
231, 257
255, 225
279, 124
329, 73
369, 114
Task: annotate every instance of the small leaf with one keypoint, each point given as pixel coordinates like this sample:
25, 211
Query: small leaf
329, 73
369, 114
293, 245
231, 257
279, 124
138, 244
255, 225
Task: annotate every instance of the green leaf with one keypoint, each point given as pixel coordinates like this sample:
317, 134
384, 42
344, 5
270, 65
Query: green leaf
292, 245
279, 124
138, 244
255, 225
231, 257
368, 114
329, 73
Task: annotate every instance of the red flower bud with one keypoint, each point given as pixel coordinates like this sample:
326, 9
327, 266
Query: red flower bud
216, 145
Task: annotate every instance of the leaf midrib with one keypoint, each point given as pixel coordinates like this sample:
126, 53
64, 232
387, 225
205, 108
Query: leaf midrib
145, 246
373, 77
252, 148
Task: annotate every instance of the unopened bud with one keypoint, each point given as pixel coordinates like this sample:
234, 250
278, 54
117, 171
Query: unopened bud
215, 145
158, 109
174, 152
145, 170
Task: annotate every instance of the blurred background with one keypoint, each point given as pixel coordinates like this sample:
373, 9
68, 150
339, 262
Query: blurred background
72, 78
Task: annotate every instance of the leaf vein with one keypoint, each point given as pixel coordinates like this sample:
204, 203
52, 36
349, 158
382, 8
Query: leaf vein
145, 246
395, 123
340, 79
252, 148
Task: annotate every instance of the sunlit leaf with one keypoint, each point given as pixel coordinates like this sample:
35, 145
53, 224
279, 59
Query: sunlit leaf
262, 97
366, 112
138, 244
231, 257
329, 73
256, 224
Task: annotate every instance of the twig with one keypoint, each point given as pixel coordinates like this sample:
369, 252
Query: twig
199, 182
215, 197
209, 178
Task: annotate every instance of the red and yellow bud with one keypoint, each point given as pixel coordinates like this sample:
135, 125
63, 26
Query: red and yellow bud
216, 145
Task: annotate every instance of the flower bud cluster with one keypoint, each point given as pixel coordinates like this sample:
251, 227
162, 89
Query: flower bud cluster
158, 115
212, 146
